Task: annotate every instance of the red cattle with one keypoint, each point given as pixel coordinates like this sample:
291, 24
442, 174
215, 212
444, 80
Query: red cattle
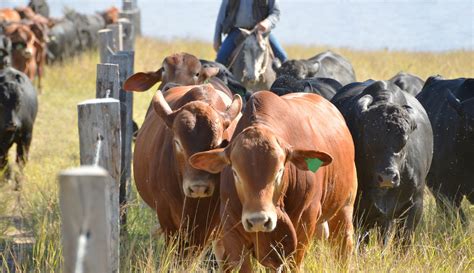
24, 48
271, 205
9, 15
186, 120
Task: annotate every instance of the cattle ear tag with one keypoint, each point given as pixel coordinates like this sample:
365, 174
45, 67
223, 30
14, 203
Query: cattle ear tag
313, 164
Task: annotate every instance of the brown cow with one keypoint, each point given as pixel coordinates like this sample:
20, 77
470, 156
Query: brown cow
23, 48
271, 205
110, 15
186, 120
9, 15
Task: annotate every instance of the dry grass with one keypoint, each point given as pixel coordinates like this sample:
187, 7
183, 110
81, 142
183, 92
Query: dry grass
441, 245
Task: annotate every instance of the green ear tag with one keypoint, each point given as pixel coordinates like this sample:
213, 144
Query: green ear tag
313, 164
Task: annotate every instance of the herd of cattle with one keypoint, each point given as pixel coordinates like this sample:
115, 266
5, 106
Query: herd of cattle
29, 39
35, 38
315, 156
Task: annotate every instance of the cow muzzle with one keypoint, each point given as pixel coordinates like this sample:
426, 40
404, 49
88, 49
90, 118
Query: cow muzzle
388, 179
259, 221
198, 189
27, 53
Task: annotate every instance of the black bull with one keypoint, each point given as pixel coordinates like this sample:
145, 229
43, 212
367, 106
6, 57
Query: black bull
394, 144
450, 107
18, 108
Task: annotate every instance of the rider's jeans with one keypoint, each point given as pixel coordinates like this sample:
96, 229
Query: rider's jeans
228, 46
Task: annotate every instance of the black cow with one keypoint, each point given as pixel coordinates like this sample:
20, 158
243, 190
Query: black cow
227, 77
324, 65
450, 107
87, 27
322, 86
18, 108
408, 82
40, 7
394, 146
63, 41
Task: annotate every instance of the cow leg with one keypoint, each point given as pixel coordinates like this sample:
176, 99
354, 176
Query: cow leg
233, 254
342, 231
447, 201
5, 167
406, 227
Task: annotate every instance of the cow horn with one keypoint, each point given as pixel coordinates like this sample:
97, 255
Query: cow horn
162, 108
233, 110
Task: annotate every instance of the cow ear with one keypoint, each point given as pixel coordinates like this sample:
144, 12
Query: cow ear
207, 73
233, 110
143, 81
455, 103
162, 109
309, 160
212, 161
312, 68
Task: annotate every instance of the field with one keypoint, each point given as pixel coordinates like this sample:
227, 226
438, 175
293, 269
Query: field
440, 245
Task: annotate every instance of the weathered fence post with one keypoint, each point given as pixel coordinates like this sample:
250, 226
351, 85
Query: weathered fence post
128, 34
118, 35
125, 60
106, 44
131, 11
86, 223
107, 81
100, 144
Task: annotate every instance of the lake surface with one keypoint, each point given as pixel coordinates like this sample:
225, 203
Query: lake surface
420, 25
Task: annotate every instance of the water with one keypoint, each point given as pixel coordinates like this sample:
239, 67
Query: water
420, 25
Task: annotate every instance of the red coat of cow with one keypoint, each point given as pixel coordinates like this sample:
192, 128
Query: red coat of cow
186, 120
271, 205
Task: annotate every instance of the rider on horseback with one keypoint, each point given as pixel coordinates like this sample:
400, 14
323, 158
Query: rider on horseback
261, 15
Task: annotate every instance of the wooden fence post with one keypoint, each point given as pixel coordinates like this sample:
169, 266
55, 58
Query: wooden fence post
100, 144
106, 44
125, 60
131, 11
117, 35
84, 203
128, 34
107, 81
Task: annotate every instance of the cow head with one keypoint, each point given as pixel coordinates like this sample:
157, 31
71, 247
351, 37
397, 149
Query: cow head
464, 106
255, 57
22, 41
9, 104
196, 126
385, 130
300, 69
110, 15
258, 160
180, 68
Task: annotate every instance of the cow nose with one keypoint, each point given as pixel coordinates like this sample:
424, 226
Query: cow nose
250, 78
27, 53
259, 223
388, 179
200, 191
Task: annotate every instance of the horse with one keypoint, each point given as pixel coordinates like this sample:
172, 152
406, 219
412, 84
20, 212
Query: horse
252, 60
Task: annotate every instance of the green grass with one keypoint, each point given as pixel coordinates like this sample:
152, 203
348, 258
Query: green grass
441, 245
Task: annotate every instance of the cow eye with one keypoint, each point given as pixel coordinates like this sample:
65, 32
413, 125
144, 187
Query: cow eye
197, 74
